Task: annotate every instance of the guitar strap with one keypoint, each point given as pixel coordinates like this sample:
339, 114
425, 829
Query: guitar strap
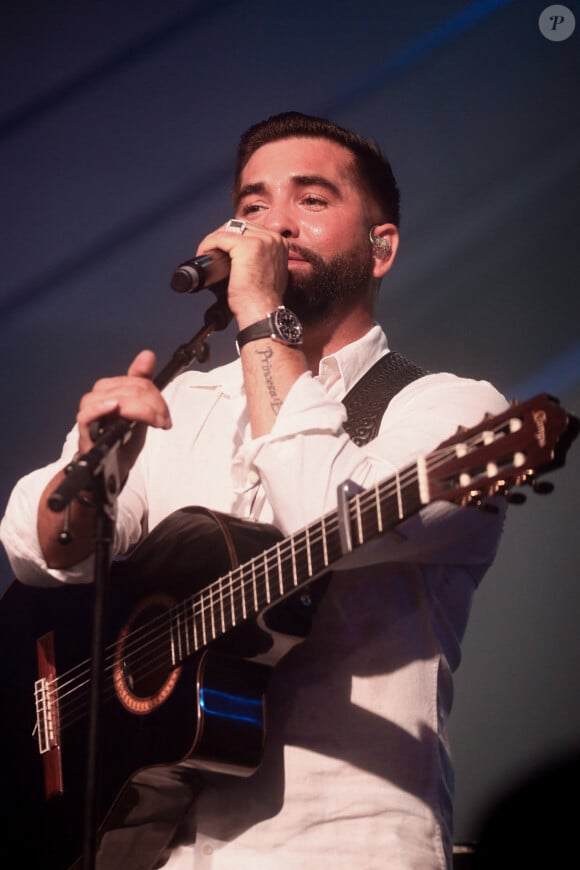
367, 401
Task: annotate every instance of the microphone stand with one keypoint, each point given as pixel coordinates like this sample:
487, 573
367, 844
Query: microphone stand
97, 471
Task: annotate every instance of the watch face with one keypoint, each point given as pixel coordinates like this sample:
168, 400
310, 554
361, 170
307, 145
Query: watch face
288, 326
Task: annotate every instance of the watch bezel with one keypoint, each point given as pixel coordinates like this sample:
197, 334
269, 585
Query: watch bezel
286, 326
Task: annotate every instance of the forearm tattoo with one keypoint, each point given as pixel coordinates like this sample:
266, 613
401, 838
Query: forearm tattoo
265, 357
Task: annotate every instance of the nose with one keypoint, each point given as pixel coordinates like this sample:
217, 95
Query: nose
280, 220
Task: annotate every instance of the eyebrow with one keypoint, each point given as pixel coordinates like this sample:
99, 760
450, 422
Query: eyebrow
259, 187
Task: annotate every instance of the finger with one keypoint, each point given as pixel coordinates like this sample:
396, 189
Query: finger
133, 398
228, 242
143, 365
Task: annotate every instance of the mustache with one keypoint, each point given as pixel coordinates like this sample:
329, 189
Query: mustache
306, 254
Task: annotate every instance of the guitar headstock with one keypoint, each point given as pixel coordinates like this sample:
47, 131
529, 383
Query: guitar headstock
503, 451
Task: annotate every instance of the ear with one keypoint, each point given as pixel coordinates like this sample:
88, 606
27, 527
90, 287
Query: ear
384, 239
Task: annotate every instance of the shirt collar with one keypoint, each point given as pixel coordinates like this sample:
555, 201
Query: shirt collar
339, 372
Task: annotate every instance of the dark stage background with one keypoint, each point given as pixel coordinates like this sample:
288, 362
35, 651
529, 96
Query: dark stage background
118, 122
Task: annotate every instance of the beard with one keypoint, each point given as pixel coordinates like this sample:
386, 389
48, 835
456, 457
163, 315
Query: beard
331, 286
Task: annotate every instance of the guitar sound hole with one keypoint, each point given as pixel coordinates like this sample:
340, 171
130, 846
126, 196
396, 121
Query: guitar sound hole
146, 652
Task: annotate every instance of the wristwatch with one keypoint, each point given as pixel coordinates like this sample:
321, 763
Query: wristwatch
281, 325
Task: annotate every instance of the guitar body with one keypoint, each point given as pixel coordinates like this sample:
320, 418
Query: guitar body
207, 712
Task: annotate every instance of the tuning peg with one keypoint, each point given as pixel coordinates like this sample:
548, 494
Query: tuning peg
543, 487
516, 498
476, 497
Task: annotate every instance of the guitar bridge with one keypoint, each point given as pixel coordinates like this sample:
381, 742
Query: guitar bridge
47, 716
45, 727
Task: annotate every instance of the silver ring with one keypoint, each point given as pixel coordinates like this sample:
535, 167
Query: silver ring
236, 226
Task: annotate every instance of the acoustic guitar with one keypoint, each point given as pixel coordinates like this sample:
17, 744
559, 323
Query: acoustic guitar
198, 616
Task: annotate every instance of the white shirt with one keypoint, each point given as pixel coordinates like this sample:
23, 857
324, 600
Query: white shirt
357, 769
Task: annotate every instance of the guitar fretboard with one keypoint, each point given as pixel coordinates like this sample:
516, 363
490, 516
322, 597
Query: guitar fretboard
283, 568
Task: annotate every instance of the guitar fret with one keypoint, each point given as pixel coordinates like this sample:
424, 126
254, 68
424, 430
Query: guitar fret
308, 553
172, 634
203, 614
254, 587
293, 553
378, 510
360, 532
212, 615
267, 578
248, 588
399, 497
176, 630
324, 545
423, 480
222, 614
280, 574
194, 624
232, 599
245, 592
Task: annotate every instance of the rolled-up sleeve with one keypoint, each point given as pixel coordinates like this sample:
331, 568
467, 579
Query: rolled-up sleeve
18, 529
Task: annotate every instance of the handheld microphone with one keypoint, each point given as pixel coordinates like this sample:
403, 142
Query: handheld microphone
200, 272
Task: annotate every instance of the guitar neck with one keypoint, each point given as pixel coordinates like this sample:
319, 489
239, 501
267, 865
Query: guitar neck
509, 449
283, 568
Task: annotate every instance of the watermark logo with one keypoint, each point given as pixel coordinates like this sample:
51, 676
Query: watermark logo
557, 23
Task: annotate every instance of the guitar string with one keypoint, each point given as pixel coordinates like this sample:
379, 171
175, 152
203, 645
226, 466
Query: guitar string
208, 591
367, 496
209, 597
257, 577
197, 610
299, 550
217, 594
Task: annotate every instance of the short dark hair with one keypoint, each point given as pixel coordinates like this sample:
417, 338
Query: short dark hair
373, 169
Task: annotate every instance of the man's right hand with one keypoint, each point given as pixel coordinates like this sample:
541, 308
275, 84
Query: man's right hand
133, 396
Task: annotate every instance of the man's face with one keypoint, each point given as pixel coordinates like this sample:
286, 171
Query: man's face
306, 189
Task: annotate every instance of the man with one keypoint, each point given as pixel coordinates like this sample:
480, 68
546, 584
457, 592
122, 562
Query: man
356, 770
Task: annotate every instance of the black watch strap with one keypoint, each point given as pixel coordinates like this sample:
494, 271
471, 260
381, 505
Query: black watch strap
281, 325
261, 329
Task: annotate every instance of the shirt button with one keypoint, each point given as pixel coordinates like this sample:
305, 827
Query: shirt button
207, 850
253, 477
